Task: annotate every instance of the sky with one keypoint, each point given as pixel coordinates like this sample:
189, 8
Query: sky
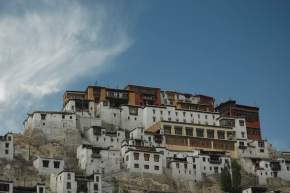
228, 49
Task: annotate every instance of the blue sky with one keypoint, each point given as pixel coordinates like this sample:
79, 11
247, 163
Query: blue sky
226, 49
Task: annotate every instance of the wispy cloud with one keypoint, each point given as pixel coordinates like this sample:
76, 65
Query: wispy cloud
46, 44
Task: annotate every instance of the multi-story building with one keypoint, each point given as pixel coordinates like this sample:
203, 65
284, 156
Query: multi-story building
251, 114
185, 137
47, 166
69, 182
93, 159
7, 146
142, 159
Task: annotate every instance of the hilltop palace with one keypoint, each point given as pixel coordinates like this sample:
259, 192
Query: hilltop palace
148, 130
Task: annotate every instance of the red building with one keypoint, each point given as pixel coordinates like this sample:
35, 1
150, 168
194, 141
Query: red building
144, 95
251, 114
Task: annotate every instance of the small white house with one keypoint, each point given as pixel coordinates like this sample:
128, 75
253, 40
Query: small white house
47, 166
69, 182
95, 159
7, 146
8, 187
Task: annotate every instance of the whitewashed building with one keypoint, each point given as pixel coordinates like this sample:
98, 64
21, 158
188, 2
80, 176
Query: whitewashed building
8, 187
95, 159
101, 137
142, 159
196, 167
69, 182
47, 166
54, 125
129, 117
7, 146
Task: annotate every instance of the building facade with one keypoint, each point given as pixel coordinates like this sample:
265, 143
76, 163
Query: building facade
7, 147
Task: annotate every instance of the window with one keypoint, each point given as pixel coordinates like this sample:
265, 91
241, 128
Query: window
128, 118
154, 119
194, 166
243, 134
56, 164
161, 112
43, 116
203, 159
68, 176
115, 115
63, 116
184, 113
146, 156
242, 123
205, 116
261, 144
136, 165
112, 139
70, 117
185, 166
127, 158
45, 163
189, 131
96, 187
221, 135
168, 112
43, 124
153, 111
199, 132
68, 185
146, 167
156, 167
156, 158
4, 187
176, 113
97, 179
6, 152
213, 117
210, 134
9, 138
262, 150
178, 130
7, 145
133, 111
167, 129
40, 189
198, 115
288, 168
136, 156
177, 165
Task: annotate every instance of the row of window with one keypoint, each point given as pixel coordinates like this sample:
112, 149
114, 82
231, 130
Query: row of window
146, 167
199, 132
45, 164
146, 157
183, 113
43, 116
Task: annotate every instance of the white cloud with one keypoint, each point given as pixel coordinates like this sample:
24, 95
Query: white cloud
44, 47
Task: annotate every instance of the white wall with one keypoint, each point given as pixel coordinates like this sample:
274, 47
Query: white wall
130, 162
107, 161
52, 124
51, 169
